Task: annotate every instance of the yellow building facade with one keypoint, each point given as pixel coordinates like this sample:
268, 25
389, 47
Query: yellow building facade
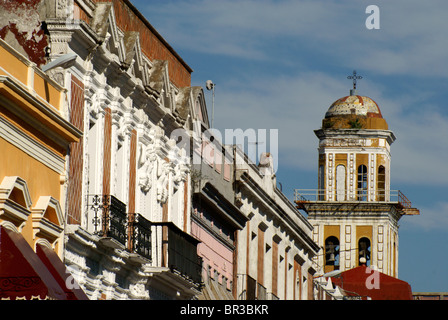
34, 143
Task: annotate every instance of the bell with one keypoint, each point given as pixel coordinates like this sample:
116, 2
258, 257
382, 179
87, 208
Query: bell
331, 257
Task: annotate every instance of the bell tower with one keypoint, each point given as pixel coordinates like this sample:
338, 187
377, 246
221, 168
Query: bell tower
354, 212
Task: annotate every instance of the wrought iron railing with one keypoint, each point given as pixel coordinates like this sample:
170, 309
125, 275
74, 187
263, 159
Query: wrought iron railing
403, 200
133, 231
139, 235
182, 255
181, 252
110, 218
253, 290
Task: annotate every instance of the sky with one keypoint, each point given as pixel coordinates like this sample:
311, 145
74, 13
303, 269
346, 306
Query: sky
280, 64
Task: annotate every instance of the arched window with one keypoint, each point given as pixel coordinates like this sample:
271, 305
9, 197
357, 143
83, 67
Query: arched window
340, 183
364, 250
381, 183
332, 252
362, 183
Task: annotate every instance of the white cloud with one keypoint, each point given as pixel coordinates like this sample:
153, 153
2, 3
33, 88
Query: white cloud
431, 217
283, 80
296, 106
421, 151
293, 105
411, 39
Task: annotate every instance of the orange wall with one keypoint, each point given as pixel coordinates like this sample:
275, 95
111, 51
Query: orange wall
41, 180
33, 132
332, 230
19, 69
14, 66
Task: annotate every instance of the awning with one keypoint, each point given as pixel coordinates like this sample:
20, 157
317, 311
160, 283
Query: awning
23, 275
60, 273
365, 282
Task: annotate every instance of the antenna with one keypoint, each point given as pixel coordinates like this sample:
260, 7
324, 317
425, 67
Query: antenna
211, 86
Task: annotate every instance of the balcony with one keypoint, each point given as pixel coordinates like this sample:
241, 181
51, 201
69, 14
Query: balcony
123, 230
132, 232
254, 290
395, 197
139, 235
316, 195
109, 217
179, 252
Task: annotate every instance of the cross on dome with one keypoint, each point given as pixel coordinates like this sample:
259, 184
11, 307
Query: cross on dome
354, 77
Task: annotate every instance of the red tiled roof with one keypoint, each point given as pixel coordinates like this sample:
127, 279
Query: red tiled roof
365, 282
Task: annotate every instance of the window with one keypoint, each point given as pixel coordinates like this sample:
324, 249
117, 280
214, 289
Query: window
251, 288
364, 251
362, 183
120, 161
332, 252
340, 183
381, 183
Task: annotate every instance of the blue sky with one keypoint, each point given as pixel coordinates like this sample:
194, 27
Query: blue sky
281, 64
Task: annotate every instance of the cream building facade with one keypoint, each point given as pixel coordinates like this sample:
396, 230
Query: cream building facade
275, 248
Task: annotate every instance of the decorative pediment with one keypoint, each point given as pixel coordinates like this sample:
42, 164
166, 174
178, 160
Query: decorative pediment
158, 79
100, 20
183, 105
199, 111
104, 24
132, 49
124, 46
48, 220
15, 200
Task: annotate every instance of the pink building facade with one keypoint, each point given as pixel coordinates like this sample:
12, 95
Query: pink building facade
217, 257
215, 218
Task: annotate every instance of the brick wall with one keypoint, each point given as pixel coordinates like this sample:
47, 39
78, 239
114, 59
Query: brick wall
132, 171
74, 196
107, 151
153, 45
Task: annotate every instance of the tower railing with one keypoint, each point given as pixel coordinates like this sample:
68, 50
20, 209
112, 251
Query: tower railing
323, 195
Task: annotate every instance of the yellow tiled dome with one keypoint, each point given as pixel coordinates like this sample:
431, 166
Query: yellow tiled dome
354, 105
